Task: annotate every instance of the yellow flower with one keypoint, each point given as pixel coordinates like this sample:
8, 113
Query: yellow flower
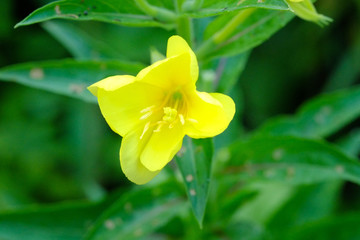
306, 10
156, 109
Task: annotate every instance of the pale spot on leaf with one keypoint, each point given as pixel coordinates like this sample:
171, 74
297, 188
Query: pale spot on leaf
290, 172
57, 10
37, 73
323, 114
339, 169
77, 88
181, 152
109, 224
128, 207
278, 154
189, 178
192, 192
269, 173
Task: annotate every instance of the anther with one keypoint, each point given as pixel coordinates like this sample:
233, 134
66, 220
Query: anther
146, 115
182, 120
192, 120
147, 125
148, 109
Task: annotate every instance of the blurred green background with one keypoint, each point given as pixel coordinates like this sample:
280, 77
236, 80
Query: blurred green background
54, 148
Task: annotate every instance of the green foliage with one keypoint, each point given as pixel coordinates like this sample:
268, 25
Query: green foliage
139, 213
66, 221
290, 159
66, 77
273, 174
194, 161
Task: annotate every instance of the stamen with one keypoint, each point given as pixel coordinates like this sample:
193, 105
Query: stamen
182, 120
158, 128
146, 115
169, 114
192, 120
146, 128
148, 109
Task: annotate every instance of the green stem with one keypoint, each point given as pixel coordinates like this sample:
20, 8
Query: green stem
156, 12
184, 24
192, 5
230, 27
184, 29
224, 33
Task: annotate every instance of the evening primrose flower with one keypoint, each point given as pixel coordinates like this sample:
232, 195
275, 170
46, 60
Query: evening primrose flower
306, 10
156, 109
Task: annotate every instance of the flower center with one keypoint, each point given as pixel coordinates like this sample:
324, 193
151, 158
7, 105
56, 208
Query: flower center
170, 112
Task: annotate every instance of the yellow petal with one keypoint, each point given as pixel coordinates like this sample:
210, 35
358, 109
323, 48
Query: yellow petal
111, 83
169, 73
177, 46
209, 114
122, 105
162, 147
130, 150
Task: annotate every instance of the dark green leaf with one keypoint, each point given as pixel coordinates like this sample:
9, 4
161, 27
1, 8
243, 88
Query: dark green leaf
139, 213
342, 227
260, 25
290, 160
67, 77
124, 12
96, 40
319, 117
307, 204
60, 222
229, 71
215, 7
194, 161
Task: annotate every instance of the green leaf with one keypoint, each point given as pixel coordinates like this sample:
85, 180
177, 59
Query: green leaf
306, 205
124, 12
260, 25
194, 161
319, 117
291, 160
230, 70
96, 40
215, 7
139, 213
62, 221
66, 77
341, 227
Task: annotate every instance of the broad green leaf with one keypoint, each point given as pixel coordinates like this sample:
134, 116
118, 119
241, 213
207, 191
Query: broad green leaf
307, 204
260, 25
319, 117
79, 42
245, 231
96, 40
124, 12
347, 71
57, 222
350, 144
291, 160
194, 161
270, 197
215, 7
139, 213
66, 77
339, 227
230, 70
